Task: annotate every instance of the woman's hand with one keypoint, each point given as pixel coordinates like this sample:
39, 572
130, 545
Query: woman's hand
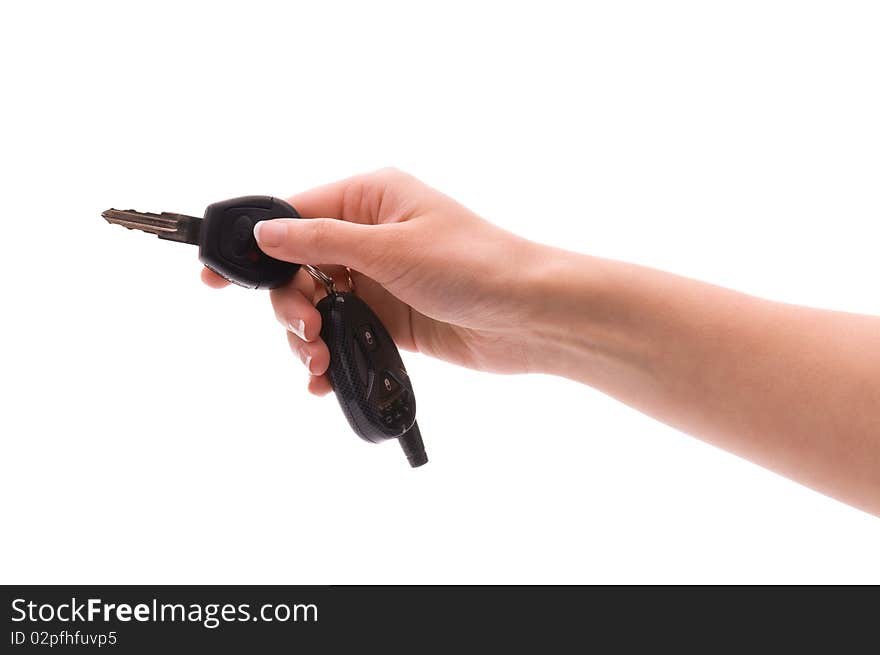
792, 388
442, 280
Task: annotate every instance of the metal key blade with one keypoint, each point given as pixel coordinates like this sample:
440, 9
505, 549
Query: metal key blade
174, 227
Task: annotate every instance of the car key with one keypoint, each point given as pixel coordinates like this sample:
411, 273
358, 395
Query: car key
366, 371
225, 237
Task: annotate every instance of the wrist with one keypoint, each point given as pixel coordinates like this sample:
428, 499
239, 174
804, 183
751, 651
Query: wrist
582, 316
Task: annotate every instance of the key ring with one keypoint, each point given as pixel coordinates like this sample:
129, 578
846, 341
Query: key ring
326, 280
322, 277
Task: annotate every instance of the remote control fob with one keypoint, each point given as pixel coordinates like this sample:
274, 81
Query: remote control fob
368, 376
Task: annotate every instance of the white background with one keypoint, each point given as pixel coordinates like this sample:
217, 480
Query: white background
154, 430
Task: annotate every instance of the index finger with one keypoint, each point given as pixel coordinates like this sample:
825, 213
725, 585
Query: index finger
213, 280
357, 199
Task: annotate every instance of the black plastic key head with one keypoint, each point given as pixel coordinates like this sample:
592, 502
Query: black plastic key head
227, 245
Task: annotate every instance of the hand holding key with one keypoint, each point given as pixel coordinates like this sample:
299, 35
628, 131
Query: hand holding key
361, 362
745, 374
366, 371
442, 280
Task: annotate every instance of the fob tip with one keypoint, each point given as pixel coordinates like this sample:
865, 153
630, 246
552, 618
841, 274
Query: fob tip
414, 447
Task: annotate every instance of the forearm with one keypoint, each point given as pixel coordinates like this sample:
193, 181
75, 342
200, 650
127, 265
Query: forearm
794, 389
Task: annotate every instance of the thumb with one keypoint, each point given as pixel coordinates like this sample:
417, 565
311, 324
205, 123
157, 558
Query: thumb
323, 241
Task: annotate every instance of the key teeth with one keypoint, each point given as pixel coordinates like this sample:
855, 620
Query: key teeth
118, 213
113, 215
167, 225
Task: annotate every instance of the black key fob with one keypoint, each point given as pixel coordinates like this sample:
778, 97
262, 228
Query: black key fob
227, 245
368, 376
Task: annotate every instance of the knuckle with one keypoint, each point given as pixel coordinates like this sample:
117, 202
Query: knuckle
365, 196
319, 229
354, 197
312, 315
388, 173
390, 177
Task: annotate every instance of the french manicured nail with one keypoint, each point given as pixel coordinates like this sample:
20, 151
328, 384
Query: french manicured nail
298, 327
302, 352
270, 233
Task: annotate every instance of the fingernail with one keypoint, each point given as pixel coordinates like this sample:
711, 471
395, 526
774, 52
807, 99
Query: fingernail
270, 233
301, 351
298, 327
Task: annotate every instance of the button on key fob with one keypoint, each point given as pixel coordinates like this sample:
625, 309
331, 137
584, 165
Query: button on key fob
368, 376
